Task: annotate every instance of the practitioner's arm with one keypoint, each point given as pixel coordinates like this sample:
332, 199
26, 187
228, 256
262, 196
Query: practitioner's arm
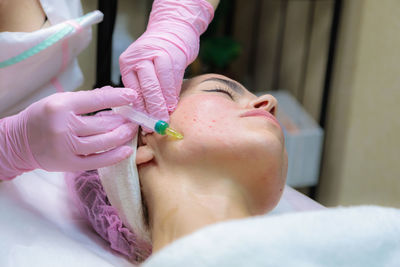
21, 15
214, 3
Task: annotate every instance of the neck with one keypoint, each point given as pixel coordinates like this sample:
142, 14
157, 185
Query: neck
186, 203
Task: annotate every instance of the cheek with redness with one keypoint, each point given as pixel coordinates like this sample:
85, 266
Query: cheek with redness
206, 118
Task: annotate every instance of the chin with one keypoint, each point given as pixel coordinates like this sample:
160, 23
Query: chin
269, 199
265, 181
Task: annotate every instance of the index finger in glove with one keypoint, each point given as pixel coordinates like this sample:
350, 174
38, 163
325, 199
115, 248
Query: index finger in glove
170, 81
97, 124
151, 91
83, 102
130, 80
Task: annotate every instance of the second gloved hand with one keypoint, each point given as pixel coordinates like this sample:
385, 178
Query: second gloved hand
155, 63
52, 134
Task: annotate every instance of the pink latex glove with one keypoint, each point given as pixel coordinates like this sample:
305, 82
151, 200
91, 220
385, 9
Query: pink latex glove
52, 134
155, 63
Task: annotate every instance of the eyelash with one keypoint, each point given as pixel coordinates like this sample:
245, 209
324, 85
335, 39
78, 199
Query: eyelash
221, 90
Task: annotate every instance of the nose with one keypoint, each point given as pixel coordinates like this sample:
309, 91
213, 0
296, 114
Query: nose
266, 102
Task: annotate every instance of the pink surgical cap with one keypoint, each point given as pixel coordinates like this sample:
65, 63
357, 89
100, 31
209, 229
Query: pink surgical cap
92, 201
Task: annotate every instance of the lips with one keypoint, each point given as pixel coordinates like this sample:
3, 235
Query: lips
261, 113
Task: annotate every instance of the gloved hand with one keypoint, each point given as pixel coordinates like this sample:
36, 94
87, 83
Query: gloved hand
155, 63
52, 134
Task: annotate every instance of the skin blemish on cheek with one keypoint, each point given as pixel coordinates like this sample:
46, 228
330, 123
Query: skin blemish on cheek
213, 120
194, 119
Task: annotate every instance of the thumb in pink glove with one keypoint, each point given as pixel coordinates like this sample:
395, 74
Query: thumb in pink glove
155, 63
52, 134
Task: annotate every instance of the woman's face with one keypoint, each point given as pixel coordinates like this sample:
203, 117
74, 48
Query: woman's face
230, 131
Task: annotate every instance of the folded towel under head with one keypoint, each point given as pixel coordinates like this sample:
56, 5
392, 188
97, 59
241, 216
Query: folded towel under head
122, 186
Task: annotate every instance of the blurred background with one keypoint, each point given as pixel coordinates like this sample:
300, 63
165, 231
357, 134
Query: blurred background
339, 60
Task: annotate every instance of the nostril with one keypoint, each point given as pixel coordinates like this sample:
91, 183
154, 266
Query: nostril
267, 105
266, 102
262, 104
273, 111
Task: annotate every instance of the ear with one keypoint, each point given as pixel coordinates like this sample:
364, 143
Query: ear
144, 154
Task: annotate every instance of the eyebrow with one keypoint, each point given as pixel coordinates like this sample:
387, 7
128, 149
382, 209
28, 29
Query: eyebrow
233, 85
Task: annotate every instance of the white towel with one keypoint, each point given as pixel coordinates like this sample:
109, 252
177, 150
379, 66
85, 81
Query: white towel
356, 236
122, 186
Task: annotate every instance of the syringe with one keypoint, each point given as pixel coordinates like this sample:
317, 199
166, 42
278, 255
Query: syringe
159, 126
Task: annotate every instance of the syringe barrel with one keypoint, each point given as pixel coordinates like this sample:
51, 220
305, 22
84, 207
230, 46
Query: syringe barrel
136, 116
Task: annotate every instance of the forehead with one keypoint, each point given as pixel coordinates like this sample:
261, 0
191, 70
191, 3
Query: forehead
208, 80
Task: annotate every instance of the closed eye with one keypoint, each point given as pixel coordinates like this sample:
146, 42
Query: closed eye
220, 90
